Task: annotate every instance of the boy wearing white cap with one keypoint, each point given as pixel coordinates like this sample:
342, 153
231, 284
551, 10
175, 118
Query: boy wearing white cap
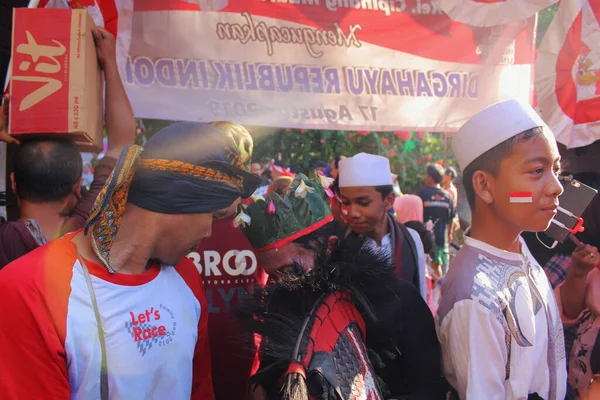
367, 194
498, 321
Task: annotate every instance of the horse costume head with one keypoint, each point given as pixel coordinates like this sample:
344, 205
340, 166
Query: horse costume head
313, 318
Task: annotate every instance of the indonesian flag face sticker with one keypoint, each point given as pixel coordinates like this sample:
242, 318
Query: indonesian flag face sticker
521, 197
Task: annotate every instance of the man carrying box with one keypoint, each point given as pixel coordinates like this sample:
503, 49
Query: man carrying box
47, 172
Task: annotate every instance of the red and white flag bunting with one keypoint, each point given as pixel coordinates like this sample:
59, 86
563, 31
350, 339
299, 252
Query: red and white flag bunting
317, 64
113, 15
491, 12
568, 73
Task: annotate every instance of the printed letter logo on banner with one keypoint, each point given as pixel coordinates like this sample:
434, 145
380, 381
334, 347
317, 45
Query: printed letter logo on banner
44, 59
234, 263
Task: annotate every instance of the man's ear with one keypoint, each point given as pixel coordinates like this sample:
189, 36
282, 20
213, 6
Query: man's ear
77, 188
389, 200
331, 244
483, 184
13, 184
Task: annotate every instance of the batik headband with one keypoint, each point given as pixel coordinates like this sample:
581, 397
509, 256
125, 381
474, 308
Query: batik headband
162, 186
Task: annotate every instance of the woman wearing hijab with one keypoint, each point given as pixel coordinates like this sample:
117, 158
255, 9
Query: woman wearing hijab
409, 211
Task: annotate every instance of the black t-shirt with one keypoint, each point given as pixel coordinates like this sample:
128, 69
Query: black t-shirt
438, 207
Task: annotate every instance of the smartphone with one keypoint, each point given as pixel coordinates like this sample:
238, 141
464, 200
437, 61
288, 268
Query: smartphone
572, 203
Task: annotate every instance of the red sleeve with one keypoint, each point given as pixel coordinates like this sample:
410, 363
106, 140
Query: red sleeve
32, 354
202, 386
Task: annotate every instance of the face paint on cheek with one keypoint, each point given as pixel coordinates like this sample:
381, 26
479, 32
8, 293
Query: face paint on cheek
521, 197
345, 211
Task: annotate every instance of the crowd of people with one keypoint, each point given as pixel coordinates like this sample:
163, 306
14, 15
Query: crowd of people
188, 270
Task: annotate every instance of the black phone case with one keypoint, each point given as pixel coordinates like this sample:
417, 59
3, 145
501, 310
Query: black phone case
575, 198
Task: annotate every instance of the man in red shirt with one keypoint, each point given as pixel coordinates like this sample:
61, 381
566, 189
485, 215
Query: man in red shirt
117, 311
448, 184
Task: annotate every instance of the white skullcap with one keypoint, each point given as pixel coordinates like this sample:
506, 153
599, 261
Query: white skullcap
492, 126
365, 170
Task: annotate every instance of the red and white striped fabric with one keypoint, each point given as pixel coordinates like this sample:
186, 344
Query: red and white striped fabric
491, 12
568, 73
113, 15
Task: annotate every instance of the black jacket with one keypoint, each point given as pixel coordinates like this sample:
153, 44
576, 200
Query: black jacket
400, 331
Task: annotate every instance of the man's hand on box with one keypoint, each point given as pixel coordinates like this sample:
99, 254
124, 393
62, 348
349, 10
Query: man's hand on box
105, 46
4, 136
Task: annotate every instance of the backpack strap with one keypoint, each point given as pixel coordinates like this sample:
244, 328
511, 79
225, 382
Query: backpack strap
407, 253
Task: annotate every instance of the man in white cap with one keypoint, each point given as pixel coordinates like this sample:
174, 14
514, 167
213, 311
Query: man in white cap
367, 195
498, 321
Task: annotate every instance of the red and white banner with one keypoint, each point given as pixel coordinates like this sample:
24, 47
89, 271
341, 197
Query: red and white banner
491, 12
568, 73
322, 64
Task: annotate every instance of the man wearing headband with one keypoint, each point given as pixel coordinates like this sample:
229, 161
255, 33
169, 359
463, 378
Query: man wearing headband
499, 323
116, 310
342, 294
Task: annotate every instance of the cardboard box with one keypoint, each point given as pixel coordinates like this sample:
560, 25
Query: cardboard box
56, 82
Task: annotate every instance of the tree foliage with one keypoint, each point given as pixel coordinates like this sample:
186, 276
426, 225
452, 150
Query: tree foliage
409, 152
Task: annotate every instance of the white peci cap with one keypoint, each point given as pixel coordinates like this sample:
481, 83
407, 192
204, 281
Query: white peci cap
492, 126
365, 170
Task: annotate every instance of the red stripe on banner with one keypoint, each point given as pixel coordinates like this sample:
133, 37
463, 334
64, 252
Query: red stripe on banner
521, 194
566, 90
42, 3
163, 5
110, 15
428, 32
585, 111
595, 5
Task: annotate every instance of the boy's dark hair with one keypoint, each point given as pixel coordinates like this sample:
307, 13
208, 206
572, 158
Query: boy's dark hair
450, 171
385, 190
491, 159
320, 164
281, 163
46, 169
435, 172
336, 161
427, 237
335, 186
